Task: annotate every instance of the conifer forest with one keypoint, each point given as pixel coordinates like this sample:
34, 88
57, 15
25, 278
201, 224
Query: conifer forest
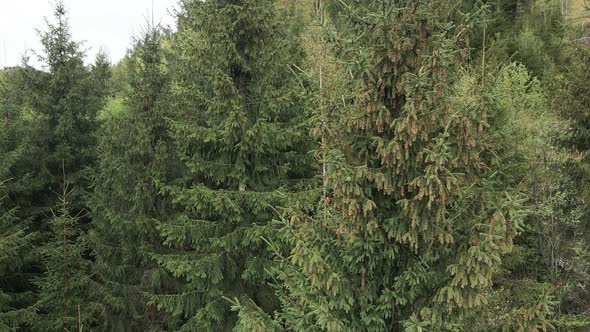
303, 165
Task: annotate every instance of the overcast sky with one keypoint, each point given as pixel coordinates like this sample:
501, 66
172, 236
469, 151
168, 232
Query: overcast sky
101, 23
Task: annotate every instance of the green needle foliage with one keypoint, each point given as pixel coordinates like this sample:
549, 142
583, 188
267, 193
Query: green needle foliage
135, 155
64, 101
240, 132
15, 245
66, 301
303, 165
16, 241
68, 101
417, 222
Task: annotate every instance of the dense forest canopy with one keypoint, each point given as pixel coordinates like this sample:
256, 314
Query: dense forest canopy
303, 165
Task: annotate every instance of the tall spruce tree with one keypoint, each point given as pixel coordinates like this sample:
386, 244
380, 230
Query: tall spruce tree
15, 292
135, 155
566, 233
22, 129
577, 112
67, 103
16, 240
240, 132
521, 299
102, 75
67, 302
540, 283
415, 222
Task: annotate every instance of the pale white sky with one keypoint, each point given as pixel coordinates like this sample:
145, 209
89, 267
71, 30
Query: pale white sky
109, 24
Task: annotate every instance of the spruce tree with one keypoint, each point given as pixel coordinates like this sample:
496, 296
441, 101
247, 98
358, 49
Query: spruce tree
15, 245
135, 155
522, 299
414, 221
576, 110
239, 130
69, 103
16, 239
66, 298
22, 130
540, 282
101, 75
